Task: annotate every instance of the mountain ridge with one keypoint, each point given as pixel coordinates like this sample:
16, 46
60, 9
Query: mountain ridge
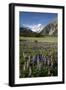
50, 29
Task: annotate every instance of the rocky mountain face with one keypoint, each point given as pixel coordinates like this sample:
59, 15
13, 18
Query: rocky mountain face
50, 29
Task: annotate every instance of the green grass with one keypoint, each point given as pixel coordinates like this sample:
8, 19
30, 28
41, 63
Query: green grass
33, 49
40, 39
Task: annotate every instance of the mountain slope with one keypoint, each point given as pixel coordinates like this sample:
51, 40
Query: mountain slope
25, 31
50, 29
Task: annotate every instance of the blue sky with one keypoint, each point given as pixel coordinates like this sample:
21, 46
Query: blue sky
34, 18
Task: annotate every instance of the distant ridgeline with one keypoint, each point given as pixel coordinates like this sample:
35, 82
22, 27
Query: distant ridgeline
50, 29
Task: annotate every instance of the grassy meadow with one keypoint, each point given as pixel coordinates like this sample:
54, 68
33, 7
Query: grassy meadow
40, 39
38, 56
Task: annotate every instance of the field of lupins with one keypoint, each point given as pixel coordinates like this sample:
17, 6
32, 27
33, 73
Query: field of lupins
38, 59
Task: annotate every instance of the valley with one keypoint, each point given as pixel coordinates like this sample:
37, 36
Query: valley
40, 39
38, 51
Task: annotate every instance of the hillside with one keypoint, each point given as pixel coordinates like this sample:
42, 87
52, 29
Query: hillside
50, 29
25, 31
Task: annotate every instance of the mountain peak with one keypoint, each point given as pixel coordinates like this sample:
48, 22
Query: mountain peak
35, 27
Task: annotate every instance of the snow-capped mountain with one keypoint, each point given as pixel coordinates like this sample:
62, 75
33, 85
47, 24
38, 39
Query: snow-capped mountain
35, 28
40, 30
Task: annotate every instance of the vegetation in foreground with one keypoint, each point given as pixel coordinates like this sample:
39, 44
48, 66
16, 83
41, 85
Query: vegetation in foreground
38, 58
